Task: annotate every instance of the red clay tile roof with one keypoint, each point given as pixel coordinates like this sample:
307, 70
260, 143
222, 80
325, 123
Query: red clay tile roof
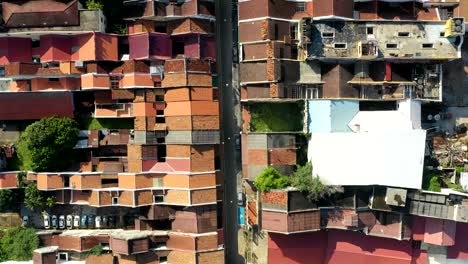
40, 13
35, 105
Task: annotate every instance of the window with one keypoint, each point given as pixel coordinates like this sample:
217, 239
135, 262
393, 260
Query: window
63, 256
66, 181
312, 93
114, 82
162, 259
294, 52
115, 200
370, 31
158, 182
53, 79
442, 34
36, 43
178, 48
158, 198
157, 69
328, 34
340, 45
392, 46
159, 98
300, 7
2, 71
403, 34
293, 31
160, 28
276, 31
160, 244
427, 45
161, 153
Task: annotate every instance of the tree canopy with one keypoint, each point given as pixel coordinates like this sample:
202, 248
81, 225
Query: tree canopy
270, 179
93, 4
35, 199
7, 200
304, 180
18, 243
47, 145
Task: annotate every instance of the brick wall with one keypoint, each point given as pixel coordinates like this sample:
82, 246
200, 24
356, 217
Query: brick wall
203, 196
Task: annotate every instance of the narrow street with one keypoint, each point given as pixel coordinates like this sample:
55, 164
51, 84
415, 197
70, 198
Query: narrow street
229, 129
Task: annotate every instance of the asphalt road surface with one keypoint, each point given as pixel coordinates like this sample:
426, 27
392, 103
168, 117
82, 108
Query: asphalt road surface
224, 44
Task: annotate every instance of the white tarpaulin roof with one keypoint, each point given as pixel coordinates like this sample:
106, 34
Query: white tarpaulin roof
385, 148
391, 158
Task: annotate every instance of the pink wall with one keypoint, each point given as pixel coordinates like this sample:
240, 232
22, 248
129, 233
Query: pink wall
150, 45
55, 48
208, 46
440, 232
192, 47
160, 46
139, 45
460, 249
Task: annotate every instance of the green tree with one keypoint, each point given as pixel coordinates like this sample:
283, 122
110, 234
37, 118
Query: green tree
434, 184
33, 198
47, 145
50, 201
18, 244
7, 200
94, 4
270, 179
97, 250
21, 179
303, 180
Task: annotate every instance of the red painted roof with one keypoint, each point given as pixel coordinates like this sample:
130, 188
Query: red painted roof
35, 105
172, 165
338, 246
40, 13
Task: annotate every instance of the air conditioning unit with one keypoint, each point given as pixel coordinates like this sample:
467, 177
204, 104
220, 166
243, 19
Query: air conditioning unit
419, 82
115, 200
455, 27
79, 64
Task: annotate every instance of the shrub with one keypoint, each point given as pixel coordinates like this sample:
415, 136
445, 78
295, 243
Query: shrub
270, 179
434, 184
276, 117
7, 200
47, 145
97, 250
94, 4
35, 199
303, 180
18, 244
